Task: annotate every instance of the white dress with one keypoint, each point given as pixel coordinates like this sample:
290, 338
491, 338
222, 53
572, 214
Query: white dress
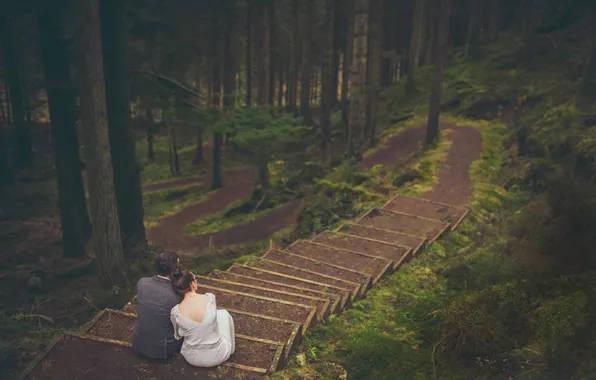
208, 343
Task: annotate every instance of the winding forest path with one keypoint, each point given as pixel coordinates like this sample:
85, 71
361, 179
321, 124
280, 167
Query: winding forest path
238, 185
283, 294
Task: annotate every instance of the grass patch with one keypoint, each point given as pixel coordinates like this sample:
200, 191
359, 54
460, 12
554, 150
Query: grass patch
218, 222
162, 203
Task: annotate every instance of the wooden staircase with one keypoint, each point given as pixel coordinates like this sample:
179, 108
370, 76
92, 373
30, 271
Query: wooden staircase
273, 302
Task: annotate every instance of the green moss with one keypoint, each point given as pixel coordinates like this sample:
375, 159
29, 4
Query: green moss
219, 222
163, 203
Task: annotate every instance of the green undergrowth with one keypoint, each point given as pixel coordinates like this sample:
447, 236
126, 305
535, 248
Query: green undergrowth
219, 222
162, 203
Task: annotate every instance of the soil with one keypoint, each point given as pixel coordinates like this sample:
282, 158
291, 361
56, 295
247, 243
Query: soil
305, 262
253, 353
386, 236
396, 147
401, 223
358, 244
256, 327
294, 313
104, 361
340, 292
347, 259
113, 326
321, 305
229, 276
205, 179
300, 273
425, 209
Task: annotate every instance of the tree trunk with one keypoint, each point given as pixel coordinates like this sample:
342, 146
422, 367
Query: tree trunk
529, 21
305, 78
216, 80
127, 174
263, 85
294, 60
229, 65
375, 41
8, 39
415, 46
431, 32
335, 49
249, 55
5, 173
74, 217
280, 86
327, 96
345, 69
432, 128
358, 80
107, 241
473, 20
494, 19
272, 51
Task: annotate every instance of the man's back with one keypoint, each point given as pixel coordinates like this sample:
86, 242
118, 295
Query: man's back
154, 332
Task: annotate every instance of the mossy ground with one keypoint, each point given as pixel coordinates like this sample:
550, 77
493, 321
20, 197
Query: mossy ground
509, 294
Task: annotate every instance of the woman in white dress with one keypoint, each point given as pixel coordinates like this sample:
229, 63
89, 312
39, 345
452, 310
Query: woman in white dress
208, 333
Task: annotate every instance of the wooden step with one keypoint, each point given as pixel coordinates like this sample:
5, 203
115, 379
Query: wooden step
398, 238
267, 275
313, 265
334, 299
369, 246
405, 223
298, 313
321, 304
352, 287
80, 357
428, 209
117, 325
373, 266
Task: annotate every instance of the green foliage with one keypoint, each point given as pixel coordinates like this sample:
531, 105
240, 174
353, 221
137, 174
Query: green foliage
162, 203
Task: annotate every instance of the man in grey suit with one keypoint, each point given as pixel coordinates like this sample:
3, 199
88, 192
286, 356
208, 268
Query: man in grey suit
154, 334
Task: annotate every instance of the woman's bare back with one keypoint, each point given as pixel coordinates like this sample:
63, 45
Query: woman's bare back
194, 307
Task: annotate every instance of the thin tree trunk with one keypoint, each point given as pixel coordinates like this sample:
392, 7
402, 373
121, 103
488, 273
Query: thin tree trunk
494, 19
287, 85
127, 174
249, 43
263, 85
23, 157
294, 60
358, 80
5, 173
107, 241
431, 32
216, 80
280, 86
306, 75
432, 128
229, 66
473, 20
8, 102
415, 46
327, 96
345, 70
74, 217
335, 49
272, 48
375, 41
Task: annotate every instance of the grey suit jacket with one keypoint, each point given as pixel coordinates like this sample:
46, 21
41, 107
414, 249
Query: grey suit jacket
154, 332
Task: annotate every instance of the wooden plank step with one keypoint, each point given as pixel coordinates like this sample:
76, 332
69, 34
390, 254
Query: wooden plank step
86, 358
313, 265
374, 266
352, 287
321, 304
262, 274
117, 325
406, 223
427, 208
228, 299
377, 248
334, 299
393, 237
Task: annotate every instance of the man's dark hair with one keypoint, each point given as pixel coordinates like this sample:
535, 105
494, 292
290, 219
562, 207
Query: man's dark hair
167, 263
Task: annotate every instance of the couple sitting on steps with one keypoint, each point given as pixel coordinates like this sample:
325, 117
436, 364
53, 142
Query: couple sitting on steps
173, 317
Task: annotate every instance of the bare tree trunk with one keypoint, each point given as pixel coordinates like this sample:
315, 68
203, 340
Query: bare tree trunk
216, 80
358, 80
345, 69
280, 86
74, 217
150, 132
375, 41
307, 64
473, 21
431, 32
263, 85
127, 174
107, 241
432, 128
494, 20
415, 46
294, 60
272, 52
327, 88
335, 49
249, 55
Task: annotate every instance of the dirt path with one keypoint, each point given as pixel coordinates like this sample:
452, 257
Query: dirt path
454, 187
233, 175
